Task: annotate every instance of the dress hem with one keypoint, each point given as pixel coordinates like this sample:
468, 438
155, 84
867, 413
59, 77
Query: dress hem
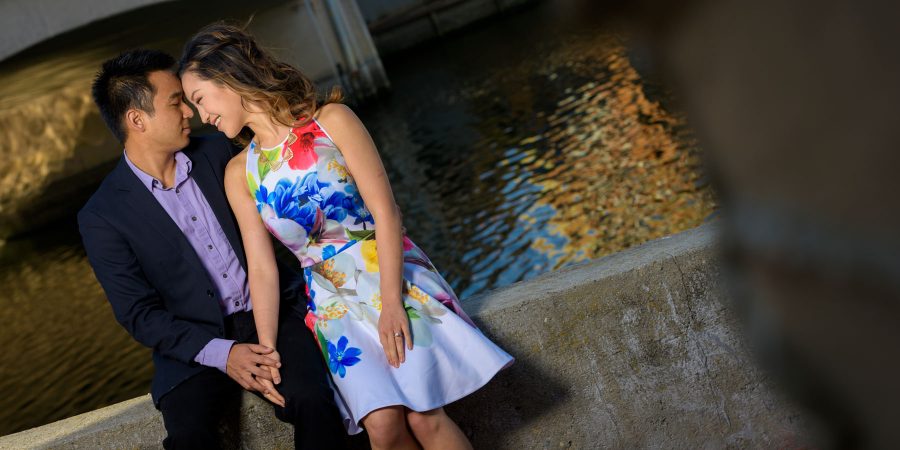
440, 404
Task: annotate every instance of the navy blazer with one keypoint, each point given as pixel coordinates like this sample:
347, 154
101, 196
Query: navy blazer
154, 280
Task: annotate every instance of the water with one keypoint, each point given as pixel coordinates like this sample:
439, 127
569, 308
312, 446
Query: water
519, 146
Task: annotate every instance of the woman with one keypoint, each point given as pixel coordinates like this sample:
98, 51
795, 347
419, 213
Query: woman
391, 330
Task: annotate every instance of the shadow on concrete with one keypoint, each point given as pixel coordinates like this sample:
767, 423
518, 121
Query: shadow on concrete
516, 398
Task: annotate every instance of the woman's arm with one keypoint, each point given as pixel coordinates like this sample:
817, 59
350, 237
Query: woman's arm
262, 272
365, 166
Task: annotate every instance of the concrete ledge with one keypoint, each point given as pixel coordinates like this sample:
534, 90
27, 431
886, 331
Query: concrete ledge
634, 350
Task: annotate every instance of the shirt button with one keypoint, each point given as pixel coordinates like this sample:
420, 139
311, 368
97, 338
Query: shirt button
177, 191
209, 292
194, 218
209, 246
224, 275
237, 303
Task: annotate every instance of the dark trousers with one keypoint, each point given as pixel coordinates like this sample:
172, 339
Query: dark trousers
193, 410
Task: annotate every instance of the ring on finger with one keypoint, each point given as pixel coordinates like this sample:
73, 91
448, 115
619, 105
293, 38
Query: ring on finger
397, 334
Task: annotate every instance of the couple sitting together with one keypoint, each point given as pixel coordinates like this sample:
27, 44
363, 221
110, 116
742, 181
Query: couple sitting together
362, 333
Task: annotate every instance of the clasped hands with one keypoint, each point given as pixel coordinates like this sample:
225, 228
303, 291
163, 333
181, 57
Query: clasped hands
255, 368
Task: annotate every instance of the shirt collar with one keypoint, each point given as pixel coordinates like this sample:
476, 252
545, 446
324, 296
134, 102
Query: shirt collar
183, 166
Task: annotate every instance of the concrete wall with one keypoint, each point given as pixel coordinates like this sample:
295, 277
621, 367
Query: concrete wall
399, 24
635, 350
25, 23
385, 8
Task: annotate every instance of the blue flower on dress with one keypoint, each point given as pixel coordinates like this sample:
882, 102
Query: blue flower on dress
284, 201
341, 357
262, 197
281, 199
307, 216
355, 205
335, 207
309, 189
307, 272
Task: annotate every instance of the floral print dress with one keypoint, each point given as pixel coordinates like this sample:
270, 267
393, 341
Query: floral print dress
307, 199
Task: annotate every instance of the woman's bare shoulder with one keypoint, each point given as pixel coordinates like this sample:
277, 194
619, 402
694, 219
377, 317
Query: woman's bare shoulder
237, 165
335, 113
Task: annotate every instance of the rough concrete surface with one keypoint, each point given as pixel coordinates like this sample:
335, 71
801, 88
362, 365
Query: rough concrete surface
636, 350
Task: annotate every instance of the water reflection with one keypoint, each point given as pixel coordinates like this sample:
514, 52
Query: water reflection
547, 154
616, 168
514, 148
41, 128
51, 133
64, 353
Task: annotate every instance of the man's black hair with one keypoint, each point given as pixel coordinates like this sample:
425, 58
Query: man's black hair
122, 84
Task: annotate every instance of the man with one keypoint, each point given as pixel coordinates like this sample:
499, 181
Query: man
165, 247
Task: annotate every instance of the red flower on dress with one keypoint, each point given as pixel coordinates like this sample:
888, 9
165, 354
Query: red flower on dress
304, 150
310, 320
407, 244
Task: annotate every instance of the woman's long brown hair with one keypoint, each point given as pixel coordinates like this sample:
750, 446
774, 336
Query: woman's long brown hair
228, 55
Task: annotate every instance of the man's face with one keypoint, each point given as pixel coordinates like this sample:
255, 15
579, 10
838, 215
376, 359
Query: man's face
168, 127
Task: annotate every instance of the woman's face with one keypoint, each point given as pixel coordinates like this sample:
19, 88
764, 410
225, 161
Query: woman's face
217, 104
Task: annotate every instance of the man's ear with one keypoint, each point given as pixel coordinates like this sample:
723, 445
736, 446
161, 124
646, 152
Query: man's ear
134, 120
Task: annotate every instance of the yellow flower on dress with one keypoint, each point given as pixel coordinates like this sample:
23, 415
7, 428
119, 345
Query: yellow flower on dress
418, 294
339, 169
370, 255
334, 311
326, 269
375, 301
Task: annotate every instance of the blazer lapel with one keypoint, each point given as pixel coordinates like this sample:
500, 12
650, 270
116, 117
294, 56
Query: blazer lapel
139, 199
212, 185
144, 205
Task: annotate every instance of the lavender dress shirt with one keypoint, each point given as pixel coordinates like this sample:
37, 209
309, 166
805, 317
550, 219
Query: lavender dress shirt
187, 206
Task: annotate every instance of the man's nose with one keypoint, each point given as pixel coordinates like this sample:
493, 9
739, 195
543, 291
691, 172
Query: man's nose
186, 111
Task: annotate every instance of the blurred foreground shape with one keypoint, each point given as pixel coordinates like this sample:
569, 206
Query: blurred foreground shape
796, 106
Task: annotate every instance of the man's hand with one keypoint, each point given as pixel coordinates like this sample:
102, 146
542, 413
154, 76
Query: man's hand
249, 364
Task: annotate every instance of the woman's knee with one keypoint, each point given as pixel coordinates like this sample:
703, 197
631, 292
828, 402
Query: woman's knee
386, 427
426, 423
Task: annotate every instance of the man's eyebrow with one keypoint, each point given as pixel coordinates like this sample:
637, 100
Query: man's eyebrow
175, 95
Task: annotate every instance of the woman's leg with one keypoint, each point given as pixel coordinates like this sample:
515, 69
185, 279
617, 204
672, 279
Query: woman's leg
387, 429
435, 429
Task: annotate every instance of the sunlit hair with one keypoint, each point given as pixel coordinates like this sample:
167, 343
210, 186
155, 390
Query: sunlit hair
228, 55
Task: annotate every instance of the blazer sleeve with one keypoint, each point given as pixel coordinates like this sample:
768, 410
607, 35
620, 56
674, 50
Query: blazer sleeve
136, 304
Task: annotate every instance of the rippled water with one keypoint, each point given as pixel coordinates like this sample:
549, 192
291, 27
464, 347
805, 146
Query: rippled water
530, 144
522, 145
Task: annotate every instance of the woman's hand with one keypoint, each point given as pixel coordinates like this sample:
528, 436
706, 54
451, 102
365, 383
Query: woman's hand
393, 330
276, 375
270, 393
